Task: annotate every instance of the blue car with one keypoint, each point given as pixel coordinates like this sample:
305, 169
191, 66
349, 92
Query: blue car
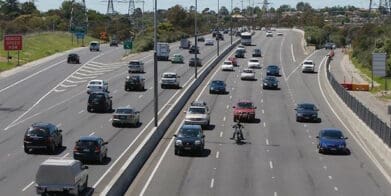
217, 86
272, 70
332, 140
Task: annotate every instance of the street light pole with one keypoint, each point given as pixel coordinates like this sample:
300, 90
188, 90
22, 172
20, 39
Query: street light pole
155, 71
231, 20
195, 41
218, 28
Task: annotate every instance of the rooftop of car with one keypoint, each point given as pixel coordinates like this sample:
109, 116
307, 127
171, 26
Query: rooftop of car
59, 162
191, 127
89, 138
40, 124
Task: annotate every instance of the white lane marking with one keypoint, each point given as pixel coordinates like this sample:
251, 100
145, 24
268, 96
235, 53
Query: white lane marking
336, 188
293, 54
217, 154
263, 111
261, 100
110, 119
227, 106
59, 125
212, 182
271, 164
313, 142
309, 136
140, 96
47, 94
146, 184
325, 167
224, 118
115, 91
330, 177
221, 134
233, 88
230, 97
81, 111
294, 70
275, 194
358, 140
30, 76
305, 125
75, 82
150, 88
91, 134
65, 155
26, 187
264, 124
67, 86
59, 91
267, 142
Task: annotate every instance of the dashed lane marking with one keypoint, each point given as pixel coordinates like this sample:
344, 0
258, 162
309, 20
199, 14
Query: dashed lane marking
217, 154
81, 111
224, 118
91, 134
267, 142
221, 134
271, 164
212, 182
335, 188
330, 177
26, 187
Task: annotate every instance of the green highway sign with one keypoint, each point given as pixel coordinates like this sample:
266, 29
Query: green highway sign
128, 44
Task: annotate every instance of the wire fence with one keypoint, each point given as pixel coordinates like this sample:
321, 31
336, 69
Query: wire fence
372, 120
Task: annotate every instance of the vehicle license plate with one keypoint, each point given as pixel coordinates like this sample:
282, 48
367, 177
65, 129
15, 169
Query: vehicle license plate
187, 148
86, 150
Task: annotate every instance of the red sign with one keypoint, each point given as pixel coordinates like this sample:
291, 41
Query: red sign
13, 42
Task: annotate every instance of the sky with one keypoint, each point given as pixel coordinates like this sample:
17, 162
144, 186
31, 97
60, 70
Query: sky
121, 7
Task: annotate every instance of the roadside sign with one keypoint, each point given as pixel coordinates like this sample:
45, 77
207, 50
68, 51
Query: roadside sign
379, 64
128, 44
79, 35
13, 42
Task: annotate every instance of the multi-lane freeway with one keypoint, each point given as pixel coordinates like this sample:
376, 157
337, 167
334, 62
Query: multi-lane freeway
279, 156
54, 91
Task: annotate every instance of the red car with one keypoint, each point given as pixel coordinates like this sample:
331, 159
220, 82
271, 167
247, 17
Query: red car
244, 110
234, 61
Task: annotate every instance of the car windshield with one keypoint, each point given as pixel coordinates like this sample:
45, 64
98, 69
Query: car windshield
272, 67
95, 83
307, 63
254, 60
169, 76
248, 71
270, 78
124, 111
217, 82
332, 134
307, 107
245, 105
189, 133
227, 63
86, 143
134, 63
94, 44
197, 110
97, 96
36, 131
257, 50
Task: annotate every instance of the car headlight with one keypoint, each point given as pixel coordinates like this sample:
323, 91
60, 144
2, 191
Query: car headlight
265, 84
178, 142
314, 115
197, 142
341, 146
299, 114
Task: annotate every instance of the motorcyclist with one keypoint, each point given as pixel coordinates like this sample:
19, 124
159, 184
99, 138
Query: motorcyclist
237, 131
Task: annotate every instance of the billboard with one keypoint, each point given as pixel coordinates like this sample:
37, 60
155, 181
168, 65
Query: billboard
13, 42
379, 64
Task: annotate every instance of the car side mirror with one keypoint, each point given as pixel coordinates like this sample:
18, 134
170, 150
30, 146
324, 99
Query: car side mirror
255, 107
203, 136
346, 138
178, 76
233, 106
105, 143
111, 97
84, 167
317, 137
60, 130
184, 111
295, 109
175, 135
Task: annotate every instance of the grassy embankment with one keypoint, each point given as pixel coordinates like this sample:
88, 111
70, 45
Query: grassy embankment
37, 46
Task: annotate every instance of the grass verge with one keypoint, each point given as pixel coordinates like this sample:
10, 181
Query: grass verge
37, 46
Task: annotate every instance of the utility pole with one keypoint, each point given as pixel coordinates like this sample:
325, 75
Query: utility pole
155, 71
231, 21
218, 27
195, 41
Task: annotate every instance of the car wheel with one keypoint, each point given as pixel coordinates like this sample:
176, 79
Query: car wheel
60, 144
297, 119
85, 184
52, 149
27, 150
88, 109
177, 151
114, 124
320, 151
100, 159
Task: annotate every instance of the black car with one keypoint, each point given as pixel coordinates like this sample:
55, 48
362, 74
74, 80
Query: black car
134, 82
239, 53
42, 136
190, 138
90, 148
272, 70
257, 52
201, 39
193, 62
270, 82
193, 49
73, 58
307, 112
99, 101
113, 43
329, 46
219, 36
217, 86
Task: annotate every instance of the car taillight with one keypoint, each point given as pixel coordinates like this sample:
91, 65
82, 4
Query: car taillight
75, 149
49, 140
97, 149
115, 116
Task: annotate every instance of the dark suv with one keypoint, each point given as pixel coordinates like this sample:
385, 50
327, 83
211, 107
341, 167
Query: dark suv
42, 136
190, 138
194, 50
99, 101
73, 58
307, 112
134, 82
90, 148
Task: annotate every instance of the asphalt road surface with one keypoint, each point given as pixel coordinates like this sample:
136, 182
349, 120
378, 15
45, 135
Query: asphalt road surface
279, 156
55, 92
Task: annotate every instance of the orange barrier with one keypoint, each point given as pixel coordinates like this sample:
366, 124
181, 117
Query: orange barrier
360, 87
347, 86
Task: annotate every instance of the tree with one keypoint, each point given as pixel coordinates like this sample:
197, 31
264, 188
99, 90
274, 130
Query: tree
284, 8
28, 8
223, 11
236, 10
10, 9
205, 11
301, 6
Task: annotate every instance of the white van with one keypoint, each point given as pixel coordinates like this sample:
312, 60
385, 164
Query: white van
97, 85
136, 66
61, 175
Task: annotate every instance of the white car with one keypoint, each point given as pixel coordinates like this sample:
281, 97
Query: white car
254, 63
280, 34
269, 34
170, 79
247, 74
209, 42
97, 85
241, 47
136, 66
198, 114
308, 66
227, 66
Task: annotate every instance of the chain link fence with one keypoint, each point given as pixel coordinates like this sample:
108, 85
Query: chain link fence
374, 122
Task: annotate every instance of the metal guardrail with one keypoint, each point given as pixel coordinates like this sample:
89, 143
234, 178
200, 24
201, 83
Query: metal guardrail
372, 120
